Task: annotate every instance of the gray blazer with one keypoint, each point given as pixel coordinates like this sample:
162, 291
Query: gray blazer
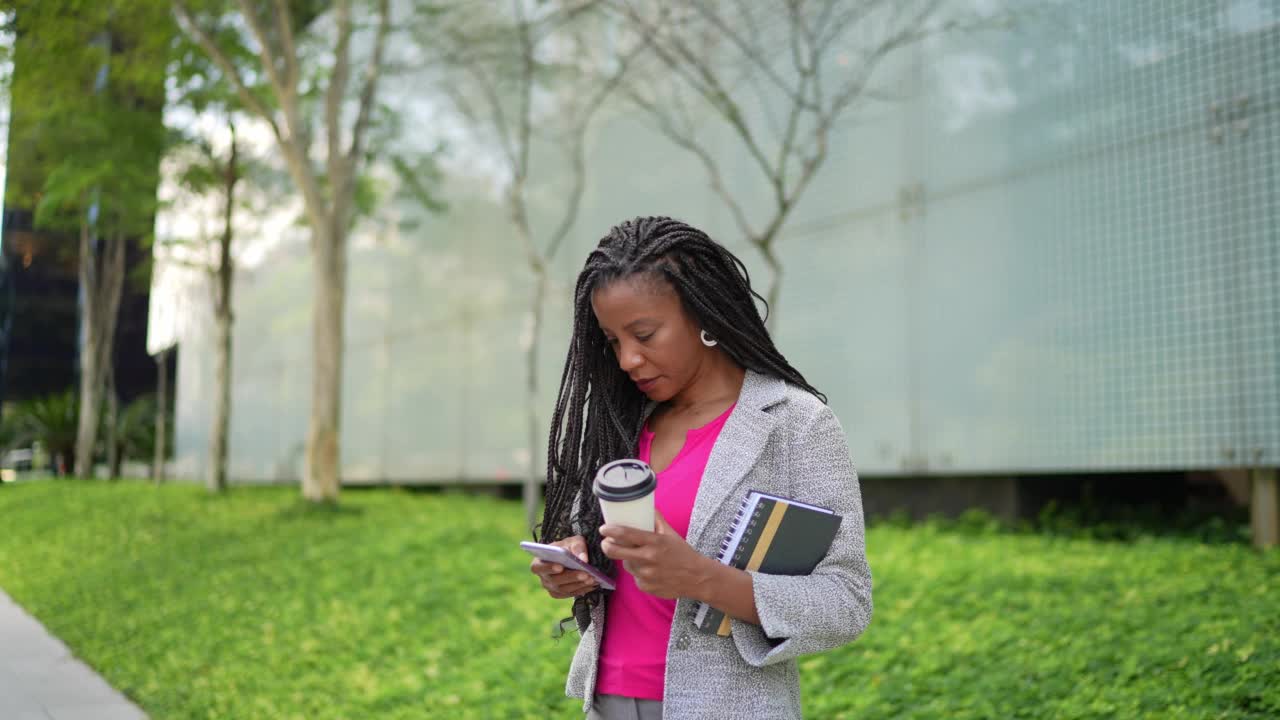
781, 440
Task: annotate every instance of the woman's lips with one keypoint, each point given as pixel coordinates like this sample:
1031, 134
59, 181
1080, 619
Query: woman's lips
646, 385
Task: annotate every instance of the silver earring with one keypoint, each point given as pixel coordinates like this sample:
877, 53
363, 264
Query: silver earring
706, 340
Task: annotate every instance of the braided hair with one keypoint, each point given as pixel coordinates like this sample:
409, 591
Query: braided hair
599, 411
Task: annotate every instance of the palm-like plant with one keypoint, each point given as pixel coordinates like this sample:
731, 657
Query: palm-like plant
52, 419
11, 435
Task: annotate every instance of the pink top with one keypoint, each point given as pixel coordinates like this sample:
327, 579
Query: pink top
633, 652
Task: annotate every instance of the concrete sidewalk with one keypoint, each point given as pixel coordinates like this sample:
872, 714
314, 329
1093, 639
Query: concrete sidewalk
41, 680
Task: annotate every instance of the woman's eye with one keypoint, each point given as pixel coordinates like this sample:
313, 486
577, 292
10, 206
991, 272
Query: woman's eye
644, 338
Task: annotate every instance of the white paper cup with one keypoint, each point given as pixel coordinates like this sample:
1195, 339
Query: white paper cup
625, 491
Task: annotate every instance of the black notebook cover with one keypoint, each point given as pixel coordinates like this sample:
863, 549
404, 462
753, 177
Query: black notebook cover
772, 535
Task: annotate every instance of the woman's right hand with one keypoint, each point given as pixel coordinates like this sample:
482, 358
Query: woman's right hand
560, 582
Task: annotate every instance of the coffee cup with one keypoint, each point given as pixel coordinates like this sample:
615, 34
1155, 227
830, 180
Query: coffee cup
625, 491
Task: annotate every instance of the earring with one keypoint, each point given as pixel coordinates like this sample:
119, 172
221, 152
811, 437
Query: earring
706, 340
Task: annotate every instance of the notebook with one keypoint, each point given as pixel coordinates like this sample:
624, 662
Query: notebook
773, 535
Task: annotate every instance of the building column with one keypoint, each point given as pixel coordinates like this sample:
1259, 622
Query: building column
1265, 508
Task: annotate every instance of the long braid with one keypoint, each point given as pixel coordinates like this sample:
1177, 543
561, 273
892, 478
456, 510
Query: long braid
598, 413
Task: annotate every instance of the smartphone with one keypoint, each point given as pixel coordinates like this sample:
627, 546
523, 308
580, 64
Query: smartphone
560, 556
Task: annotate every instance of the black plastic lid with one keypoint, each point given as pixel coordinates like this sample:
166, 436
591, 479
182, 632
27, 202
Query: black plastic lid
627, 479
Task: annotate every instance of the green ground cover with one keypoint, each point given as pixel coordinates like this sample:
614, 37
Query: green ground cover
415, 605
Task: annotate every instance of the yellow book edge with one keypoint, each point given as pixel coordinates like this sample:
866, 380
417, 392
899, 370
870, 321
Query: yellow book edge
762, 549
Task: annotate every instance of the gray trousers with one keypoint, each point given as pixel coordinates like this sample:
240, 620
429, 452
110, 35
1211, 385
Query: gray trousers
617, 707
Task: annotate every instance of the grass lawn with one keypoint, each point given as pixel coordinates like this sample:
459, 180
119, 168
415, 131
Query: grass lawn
403, 605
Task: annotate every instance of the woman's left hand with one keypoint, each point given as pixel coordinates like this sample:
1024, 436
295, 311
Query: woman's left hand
662, 563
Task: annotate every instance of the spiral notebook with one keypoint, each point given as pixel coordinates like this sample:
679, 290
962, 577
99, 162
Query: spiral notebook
773, 535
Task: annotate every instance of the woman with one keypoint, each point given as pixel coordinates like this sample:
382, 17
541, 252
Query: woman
670, 362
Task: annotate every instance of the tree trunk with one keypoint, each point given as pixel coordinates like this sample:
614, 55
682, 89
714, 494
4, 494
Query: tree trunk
217, 480
223, 278
87, 428
162, 415
101, 284
531, 494
90, 405
321, 479
774, 293
113, 426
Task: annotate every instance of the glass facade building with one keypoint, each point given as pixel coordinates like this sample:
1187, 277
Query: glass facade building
1056, 247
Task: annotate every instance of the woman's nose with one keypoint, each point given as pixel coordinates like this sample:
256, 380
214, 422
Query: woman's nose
628, 359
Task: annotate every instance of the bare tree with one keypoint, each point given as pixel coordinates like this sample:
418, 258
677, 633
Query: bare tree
223, 186
776, 77
223, 276
327, 188
533, 78
207, 175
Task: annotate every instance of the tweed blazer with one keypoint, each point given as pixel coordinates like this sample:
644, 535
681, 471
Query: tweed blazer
782, 440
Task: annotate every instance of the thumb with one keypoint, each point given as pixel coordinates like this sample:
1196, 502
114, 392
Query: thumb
578, 547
